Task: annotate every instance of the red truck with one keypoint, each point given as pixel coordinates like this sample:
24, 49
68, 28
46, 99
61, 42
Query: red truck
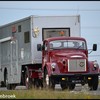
64, 56
65, 62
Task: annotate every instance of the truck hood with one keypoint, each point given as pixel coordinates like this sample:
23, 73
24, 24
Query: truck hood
71, 54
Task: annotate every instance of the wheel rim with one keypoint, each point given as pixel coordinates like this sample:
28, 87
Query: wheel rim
27, 82
6, 79
47, 80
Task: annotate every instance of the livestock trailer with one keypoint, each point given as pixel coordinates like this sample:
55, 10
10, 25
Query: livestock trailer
19, 41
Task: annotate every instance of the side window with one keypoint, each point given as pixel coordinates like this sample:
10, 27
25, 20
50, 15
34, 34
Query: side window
26, 37
19, 28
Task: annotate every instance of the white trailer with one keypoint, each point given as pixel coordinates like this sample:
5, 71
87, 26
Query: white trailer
19, 41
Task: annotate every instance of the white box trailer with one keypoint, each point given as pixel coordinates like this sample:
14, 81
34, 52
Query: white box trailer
19, 41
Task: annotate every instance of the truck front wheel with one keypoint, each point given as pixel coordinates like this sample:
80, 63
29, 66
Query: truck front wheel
48, 81
64, 85
93, 83
71, 86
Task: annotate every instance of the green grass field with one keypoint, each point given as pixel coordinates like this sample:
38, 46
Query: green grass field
48, 94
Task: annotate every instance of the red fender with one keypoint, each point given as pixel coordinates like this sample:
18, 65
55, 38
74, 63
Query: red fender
50, 71
91, 67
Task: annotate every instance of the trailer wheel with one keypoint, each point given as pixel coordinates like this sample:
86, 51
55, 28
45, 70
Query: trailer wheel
93, 83
28, 83
2, 84
9, 86
5, 77
6, 80
48, 81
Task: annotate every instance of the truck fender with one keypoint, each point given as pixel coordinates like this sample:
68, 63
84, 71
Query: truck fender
48, 67
91, 67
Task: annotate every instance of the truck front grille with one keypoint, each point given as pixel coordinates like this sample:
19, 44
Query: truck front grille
76, 65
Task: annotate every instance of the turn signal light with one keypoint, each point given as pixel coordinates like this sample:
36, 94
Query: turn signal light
63, 78
89, 78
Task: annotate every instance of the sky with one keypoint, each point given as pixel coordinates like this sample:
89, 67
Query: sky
89, 12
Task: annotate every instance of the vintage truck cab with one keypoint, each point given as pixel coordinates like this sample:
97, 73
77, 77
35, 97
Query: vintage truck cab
65, 62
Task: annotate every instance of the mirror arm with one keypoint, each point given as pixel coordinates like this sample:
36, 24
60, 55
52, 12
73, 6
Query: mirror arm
90, 51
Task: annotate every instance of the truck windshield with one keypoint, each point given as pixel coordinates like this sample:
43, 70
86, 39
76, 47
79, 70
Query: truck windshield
71, 44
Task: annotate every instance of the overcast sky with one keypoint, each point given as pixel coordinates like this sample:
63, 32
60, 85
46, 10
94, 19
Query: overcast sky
89, 12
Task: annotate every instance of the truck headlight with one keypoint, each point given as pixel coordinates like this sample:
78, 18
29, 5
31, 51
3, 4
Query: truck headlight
53, 65
95, 64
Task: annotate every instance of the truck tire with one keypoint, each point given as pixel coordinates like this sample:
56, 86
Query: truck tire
48, 82
51, 83
93, 83
9, 86
3, 84
71, 86
28, 82
64, 85
5, 78
38, 83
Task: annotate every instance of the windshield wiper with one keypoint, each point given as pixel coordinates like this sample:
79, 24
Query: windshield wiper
79, 47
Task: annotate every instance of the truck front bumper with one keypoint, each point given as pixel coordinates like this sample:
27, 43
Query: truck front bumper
73, 78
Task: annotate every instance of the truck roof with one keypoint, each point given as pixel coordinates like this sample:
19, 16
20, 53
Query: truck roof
65, 38
35, 16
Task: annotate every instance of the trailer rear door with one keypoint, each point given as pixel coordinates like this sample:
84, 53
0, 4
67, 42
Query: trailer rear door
4, 54
14, 57
9, 54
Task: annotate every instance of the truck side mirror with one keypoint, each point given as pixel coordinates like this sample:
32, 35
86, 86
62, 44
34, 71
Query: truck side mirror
43, 47
39, 47
94, 47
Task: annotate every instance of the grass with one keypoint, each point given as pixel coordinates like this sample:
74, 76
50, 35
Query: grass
49, 94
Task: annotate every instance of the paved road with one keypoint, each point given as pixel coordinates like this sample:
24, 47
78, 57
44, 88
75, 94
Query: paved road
77, 89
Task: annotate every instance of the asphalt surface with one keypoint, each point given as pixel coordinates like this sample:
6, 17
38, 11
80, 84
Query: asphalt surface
78, 88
